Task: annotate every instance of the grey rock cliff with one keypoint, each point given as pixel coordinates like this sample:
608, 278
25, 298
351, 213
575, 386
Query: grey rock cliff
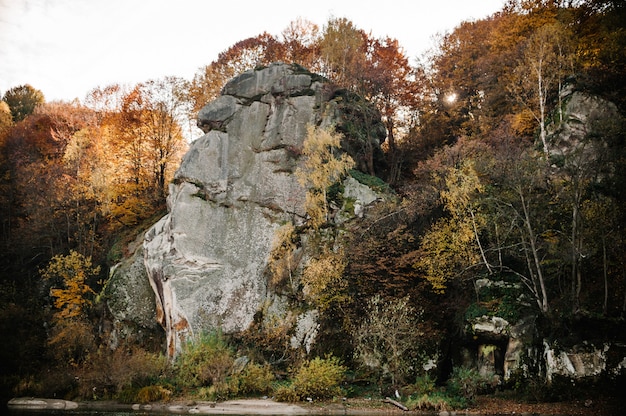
207, 257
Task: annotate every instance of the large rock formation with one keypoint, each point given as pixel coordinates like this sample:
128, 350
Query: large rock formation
206, 258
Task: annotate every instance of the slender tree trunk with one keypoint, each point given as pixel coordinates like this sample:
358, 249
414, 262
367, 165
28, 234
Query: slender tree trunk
535, 254
576, 280
480, 246
542, 93
605, 305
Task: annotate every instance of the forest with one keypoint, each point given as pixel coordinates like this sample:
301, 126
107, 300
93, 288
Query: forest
484, 188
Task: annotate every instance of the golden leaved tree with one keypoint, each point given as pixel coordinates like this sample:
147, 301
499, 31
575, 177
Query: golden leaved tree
323, 166
70, 274
453, 243
71, 339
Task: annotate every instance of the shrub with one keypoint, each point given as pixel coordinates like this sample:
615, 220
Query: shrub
205, 360
153, 393
255, 378
220, 390
467, 382
285, 393
120, 373
436, 401
319, 378
390, 339
424, 384
71, 341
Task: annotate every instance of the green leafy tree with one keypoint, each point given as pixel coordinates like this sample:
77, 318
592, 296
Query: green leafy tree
22, 101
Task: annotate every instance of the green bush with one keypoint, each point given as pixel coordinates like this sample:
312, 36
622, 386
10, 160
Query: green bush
319, 378
204, 361
424, 384
467, 383
435, 401
220, 390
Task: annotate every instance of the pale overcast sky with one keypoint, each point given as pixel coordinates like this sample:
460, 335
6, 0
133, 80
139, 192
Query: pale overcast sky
65, 48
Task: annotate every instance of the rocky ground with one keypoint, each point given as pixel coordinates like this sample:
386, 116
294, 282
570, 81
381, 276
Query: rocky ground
488, 405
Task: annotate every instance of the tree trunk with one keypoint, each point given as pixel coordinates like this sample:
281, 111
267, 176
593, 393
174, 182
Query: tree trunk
535, 255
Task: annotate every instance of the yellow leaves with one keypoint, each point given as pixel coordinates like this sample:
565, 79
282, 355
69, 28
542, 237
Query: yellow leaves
452, 243
462, 184
283, 256
323, 166
323, 279
523, 123
71, 273
447, 248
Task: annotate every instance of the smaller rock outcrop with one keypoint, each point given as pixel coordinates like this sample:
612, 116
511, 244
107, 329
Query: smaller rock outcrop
130, 301
580, 128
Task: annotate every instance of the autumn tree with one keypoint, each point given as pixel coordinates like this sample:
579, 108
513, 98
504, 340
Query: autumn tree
71, 273
44, 207
389, 340
242, 56
165, 108
324, 165
453, 244
146, 137
521, 208
388, 80
342, 48
301, 40
22, 101
6, 119
71, 338
284, 257
547, 59
323, 280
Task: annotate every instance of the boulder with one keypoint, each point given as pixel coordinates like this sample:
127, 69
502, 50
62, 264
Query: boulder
33, 403
206, 259
130, 301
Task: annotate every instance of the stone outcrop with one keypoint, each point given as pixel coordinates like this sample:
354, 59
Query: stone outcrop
509, 350
130, 301
206, 258
581, 126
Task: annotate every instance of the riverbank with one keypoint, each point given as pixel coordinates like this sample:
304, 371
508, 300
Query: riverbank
484, 406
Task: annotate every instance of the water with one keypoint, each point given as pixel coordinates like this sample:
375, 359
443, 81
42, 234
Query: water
78, 413
85, 413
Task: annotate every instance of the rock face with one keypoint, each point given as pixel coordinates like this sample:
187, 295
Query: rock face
130, 301
583, 117
207, 257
